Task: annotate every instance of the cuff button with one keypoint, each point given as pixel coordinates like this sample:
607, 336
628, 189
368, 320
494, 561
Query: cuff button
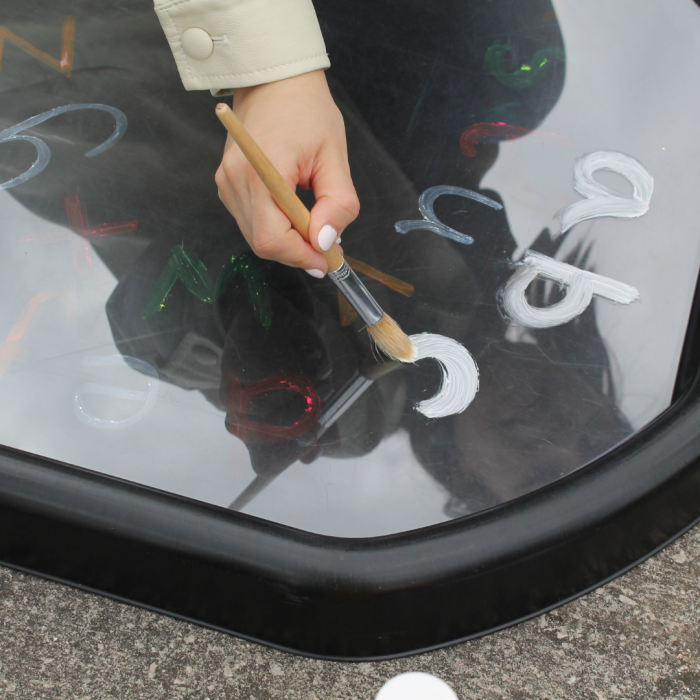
197, 43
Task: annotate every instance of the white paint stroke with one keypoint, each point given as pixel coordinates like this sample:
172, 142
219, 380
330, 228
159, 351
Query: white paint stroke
430, 222
601, 200
460, 375
150, 397
43, 153
581, 286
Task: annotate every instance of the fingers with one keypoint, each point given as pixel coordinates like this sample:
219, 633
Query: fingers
263, 224
300, 129
337, 204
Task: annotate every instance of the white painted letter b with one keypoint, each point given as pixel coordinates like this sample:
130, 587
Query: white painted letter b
581, 286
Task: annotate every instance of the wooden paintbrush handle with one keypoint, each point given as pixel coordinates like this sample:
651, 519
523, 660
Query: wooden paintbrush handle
281, 192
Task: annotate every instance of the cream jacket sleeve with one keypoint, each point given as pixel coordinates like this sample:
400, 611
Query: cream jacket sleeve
224, 44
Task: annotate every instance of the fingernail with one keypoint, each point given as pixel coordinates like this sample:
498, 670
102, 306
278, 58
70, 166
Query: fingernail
326, 237
315, 272
337, 240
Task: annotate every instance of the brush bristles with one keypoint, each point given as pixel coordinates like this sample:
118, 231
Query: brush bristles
392, 341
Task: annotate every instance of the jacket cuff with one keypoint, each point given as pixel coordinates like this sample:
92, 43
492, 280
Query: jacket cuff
223, 44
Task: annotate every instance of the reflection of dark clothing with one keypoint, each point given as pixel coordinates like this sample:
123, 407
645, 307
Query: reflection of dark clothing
404, 138
535, 419
417, 68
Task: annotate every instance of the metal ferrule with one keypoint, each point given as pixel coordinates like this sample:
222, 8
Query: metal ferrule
356, 293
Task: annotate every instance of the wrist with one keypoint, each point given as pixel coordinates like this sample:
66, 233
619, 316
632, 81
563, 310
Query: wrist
309, 83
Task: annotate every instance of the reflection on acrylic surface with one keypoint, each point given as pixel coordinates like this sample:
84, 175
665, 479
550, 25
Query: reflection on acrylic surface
157, 348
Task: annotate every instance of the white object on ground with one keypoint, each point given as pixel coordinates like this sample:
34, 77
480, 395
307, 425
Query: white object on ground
416, 686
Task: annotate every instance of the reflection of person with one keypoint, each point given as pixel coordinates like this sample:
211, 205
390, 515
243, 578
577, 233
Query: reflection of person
271, 55
305, 337
401, 141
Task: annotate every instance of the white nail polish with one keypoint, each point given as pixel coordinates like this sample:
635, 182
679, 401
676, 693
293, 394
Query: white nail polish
337, 240
326, 237
314, 272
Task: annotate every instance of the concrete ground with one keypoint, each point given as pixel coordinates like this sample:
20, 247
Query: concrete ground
636, 638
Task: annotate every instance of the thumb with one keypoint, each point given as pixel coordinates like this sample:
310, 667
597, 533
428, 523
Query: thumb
336, 205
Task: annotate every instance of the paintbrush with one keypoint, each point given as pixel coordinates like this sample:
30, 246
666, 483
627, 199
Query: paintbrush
385, 332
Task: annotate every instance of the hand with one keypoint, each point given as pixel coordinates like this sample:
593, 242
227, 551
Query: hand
300, 129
